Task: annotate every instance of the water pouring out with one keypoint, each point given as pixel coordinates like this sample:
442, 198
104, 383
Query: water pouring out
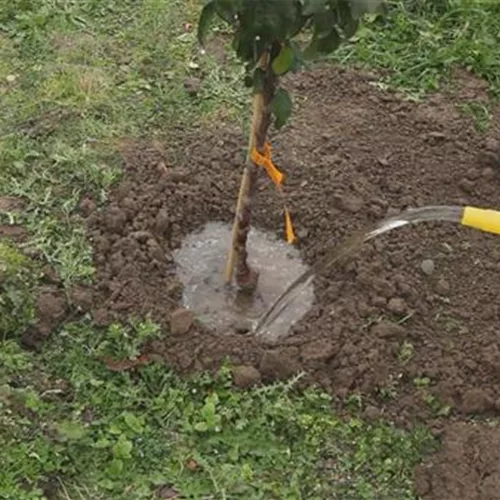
477, 218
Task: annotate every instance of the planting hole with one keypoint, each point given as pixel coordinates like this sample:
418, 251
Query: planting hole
200, 264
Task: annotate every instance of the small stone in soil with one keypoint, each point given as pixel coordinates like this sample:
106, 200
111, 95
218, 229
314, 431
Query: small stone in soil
181, 321
428, 266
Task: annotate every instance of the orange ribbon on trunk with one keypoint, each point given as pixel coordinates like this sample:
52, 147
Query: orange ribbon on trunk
265, 161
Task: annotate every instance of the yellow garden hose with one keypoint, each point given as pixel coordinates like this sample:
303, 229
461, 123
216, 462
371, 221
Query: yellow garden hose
482, 219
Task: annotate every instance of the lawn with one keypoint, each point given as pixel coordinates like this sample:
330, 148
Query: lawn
78, 79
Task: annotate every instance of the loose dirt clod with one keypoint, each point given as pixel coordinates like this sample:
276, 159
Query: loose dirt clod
279, 365
87, 206
181, 321
192, 86
167, 493
51, 309
82, 298
476, 401
397, 306
245, 376
443, 287
387, 330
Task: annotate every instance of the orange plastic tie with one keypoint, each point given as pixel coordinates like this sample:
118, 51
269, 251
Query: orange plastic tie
265, 161
290, 233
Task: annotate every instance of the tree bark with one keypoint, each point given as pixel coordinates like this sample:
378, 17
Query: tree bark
246, 278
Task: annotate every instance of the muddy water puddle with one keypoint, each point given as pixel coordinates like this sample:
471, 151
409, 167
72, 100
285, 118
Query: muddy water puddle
200, 263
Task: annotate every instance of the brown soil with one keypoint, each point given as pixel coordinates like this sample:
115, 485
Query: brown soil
7, 231
51, 309
410, 342
467, 467
10, 204
14, 233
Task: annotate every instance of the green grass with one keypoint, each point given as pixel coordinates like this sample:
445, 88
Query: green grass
76, 78
71, 422
420, 42
16, 283
480, 112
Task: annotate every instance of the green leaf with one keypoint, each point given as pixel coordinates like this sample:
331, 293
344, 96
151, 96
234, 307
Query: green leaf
201, 427
115, 429
101, 443
323, 45
71, 431
208, 411
133, 423
115, 468
206, 17
122, 448
281, 107
284, 61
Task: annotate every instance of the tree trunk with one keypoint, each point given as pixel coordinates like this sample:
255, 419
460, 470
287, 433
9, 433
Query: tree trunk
246, 278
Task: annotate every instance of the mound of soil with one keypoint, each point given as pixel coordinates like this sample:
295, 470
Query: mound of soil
417, 339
